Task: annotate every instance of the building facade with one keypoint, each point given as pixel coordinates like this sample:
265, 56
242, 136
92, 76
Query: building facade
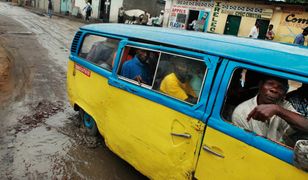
105, 10
237, 17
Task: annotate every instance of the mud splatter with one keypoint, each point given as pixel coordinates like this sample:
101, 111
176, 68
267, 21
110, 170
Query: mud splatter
80, 134
43, 110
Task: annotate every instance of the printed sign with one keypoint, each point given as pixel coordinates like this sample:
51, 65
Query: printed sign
195, 4
215, 17
299, 20
85, 71
244, 11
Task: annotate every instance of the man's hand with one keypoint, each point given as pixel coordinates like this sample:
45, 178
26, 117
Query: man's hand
263, 112
139, 79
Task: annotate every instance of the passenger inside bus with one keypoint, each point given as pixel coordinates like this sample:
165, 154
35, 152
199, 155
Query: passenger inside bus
299, 100
101, 53
137, 68
176, 84
267, 113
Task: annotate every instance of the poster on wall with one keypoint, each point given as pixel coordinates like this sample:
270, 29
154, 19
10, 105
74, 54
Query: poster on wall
178, 18
202, 21
190, 15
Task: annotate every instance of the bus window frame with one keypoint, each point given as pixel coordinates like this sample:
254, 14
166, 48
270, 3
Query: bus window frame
88, 64
193, 110
156, 68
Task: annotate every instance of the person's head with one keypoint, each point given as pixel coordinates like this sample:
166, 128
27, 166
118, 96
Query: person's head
304, 89
305, 31
257, 24
142, 55
272, 90
270, 27
181, 70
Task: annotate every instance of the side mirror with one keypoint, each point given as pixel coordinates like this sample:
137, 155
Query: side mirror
301, 155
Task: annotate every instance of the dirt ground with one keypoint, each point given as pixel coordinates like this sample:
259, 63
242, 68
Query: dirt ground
6, 80
40, 134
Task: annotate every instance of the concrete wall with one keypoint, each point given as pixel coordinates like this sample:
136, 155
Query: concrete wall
42, 4
114, 8
151, 6
56, 5
95, 7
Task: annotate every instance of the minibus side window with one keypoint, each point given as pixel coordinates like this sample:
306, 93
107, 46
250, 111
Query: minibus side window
99, 50
138, 64
252, 100
180, 77
174, 75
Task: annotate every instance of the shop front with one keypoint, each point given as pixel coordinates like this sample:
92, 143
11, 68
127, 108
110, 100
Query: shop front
237, 18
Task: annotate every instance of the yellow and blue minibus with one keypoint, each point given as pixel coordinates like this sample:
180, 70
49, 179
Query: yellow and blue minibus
126, 83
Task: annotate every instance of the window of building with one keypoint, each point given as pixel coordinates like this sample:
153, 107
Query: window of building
249, 89
99, 50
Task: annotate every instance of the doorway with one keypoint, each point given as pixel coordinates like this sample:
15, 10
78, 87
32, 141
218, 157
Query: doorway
263, 28
232, 25
105, 10
193, 15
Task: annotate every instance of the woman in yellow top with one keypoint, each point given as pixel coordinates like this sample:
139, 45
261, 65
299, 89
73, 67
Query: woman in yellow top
177, 84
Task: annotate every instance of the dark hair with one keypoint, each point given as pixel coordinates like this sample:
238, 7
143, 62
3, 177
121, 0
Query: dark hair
283, 81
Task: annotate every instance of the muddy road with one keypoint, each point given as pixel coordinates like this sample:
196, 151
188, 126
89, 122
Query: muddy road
40, 135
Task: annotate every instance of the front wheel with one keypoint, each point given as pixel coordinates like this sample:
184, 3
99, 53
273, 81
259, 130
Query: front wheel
88, 123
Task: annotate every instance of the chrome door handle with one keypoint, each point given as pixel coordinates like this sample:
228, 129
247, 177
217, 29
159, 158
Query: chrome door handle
184, 135
208, 149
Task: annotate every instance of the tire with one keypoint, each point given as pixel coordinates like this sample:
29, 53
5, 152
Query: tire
88, 123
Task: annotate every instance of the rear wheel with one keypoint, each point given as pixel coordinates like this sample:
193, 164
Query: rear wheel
88, 123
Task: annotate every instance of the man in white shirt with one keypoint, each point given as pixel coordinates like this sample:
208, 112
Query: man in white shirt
254, 32
268, 114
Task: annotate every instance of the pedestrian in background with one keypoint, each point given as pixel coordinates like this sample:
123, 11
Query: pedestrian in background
88, 10
49, 10
144, 18
300, 38
121, 15
270, 33
254, 32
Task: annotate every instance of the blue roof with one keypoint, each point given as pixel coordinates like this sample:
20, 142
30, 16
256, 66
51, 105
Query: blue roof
286, 57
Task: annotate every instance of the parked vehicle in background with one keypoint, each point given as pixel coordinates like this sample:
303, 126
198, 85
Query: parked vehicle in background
177, 123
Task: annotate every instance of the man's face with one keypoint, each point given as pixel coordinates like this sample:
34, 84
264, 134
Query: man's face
181, 72
142, 56
270, 27
270, 92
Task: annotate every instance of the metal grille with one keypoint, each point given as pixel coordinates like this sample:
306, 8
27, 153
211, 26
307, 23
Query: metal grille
75, 42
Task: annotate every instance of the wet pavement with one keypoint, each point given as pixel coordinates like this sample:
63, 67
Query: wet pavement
40, 134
